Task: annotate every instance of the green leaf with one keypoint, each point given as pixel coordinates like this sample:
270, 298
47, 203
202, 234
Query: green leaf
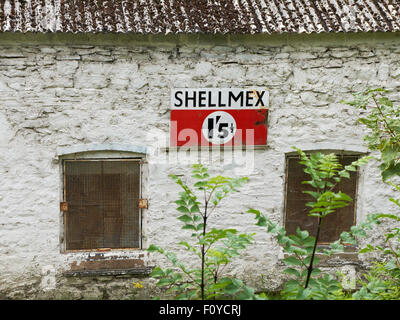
292, 261
198, 176
350, 168
315, 272
314, 194
231, 288
189, 227
344, 174
303, 294
157, 272
195, 209
201, 184
185, 218
257, 212
180, 202
307, 260
183, 209
302, 234
164, 281
153, 248
292, 272
196, 218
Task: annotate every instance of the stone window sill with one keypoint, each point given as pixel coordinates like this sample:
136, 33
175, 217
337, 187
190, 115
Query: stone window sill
144, 271
348, 257
100, 264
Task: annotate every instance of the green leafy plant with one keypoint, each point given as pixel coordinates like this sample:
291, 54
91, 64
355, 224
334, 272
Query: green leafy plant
212, 248
382, 117
302, 249
382, 282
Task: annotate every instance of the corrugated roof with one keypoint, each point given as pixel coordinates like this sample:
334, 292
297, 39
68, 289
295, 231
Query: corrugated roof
199, 16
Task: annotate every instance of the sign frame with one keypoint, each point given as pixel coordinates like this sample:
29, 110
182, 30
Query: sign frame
193, 105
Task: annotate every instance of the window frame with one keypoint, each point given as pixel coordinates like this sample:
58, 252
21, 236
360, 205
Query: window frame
339, 153
117, 157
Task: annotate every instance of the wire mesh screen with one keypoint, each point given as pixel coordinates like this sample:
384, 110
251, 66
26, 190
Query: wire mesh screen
296, 210
103, 207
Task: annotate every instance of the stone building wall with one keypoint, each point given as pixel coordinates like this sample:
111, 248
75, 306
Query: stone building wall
103, 93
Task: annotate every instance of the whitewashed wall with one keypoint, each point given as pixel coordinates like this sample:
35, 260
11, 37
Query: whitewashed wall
61, 96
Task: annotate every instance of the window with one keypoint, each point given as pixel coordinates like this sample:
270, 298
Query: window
102, 198
296, 210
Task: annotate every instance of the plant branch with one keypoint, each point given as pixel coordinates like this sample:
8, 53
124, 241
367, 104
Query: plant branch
394, 253
384, 118
301, 260
203, 253
310, 267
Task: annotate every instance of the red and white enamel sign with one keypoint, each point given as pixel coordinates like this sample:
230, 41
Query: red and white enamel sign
218, 117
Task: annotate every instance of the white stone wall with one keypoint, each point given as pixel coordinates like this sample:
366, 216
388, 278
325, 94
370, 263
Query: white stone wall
59, 95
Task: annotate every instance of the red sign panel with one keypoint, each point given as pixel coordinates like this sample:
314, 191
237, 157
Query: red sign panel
218, 117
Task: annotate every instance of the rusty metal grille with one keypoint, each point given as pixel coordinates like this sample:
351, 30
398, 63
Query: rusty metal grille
102, 197
296, 210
